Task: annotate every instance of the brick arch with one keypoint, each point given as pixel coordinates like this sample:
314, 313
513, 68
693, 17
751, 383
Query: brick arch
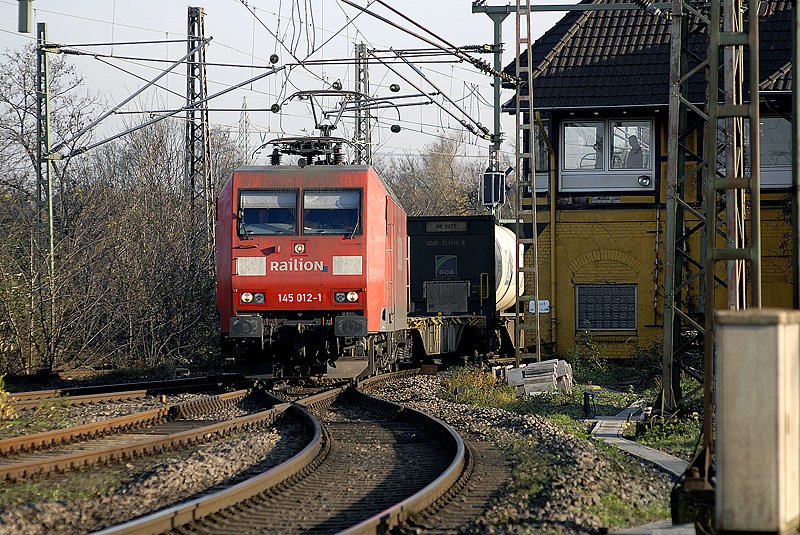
599, 255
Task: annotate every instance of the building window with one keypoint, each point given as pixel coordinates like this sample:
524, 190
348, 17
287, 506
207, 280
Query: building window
776, 151
606, 307
607, 155
541, 155
583, 146
630, 145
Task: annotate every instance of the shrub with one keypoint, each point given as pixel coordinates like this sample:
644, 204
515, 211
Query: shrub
6, 403
476, 386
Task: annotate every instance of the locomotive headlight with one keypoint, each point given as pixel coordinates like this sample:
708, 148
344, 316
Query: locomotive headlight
256, 298
352, 296
340, 297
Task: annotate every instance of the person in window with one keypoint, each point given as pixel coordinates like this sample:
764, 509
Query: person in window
635, 158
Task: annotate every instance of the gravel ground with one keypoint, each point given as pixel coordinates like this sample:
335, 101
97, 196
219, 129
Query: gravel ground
584, 472
154, 484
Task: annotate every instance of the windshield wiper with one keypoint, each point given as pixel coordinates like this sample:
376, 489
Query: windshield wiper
243, 226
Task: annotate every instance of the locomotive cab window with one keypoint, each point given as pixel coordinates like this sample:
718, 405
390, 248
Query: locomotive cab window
332, 212
267, 212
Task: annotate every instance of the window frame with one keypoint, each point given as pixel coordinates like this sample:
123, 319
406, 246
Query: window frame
626, 328
606, 178
240, 230
357, 230
541, 154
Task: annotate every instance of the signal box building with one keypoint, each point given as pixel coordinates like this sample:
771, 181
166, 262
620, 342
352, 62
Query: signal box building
601, 86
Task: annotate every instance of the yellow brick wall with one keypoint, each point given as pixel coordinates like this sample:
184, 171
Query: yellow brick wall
627, 246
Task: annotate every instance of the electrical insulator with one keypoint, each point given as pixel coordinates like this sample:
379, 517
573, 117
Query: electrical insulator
275, 157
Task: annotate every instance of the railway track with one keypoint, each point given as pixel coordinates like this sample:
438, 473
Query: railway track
124, 437
85, 395
368, 466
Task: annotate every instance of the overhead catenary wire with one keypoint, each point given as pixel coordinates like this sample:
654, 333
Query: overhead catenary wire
130, 73
417, 54
415, 86
482, 128
103, 116
482, 65
174, 112
68, 49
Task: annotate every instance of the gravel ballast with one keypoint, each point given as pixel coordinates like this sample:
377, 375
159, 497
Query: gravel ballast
583, 473
579, 474
151, 484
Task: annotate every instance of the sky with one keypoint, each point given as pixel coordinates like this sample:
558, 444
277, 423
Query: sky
244, 34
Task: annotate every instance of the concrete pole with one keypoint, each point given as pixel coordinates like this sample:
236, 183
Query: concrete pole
497, 49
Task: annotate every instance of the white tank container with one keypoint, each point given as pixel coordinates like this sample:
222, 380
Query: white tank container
504, 270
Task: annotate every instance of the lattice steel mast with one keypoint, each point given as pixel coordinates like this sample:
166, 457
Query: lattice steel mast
363, 133
44, 266
244, 133
199, 179
720, 183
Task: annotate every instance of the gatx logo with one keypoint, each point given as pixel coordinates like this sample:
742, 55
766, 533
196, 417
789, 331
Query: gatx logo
296, 264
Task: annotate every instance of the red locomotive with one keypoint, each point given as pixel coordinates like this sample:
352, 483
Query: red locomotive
312, 267
320, 271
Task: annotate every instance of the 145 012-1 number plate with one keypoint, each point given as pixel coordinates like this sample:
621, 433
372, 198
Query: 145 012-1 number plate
299, 297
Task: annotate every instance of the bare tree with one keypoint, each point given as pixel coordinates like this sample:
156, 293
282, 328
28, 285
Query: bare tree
435, 181
29, 338
132, 286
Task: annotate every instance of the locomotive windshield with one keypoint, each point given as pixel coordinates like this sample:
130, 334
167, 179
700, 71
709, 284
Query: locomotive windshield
267, 212
331, 212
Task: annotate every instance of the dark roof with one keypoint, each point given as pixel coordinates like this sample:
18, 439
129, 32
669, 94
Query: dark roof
611, 58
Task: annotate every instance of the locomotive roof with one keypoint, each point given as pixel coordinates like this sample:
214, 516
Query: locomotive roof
318, 168
322, 169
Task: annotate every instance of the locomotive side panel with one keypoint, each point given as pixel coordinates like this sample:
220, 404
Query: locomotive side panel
398, 264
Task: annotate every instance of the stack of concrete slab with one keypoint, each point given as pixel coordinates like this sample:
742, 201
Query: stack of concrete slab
538, 377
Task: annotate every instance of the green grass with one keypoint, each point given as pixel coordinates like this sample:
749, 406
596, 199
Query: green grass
98, 481
474, 386
677, 436
48, 415
533, 471
616, 512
